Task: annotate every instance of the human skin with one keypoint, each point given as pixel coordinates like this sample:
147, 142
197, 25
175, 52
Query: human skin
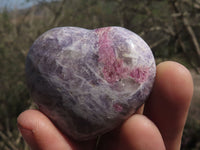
156, 126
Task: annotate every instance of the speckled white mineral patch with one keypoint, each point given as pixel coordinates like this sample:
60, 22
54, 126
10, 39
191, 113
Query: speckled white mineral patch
89, 81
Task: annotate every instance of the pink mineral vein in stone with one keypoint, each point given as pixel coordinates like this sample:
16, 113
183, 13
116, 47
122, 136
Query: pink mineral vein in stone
118, 107
139, 74
106, 52
113, 68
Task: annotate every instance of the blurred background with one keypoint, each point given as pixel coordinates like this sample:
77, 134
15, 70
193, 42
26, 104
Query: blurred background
170, 27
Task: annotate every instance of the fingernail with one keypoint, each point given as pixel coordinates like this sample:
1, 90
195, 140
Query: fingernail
26, 133
27, 136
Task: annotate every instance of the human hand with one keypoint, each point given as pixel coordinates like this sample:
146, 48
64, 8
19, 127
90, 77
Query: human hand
156, 126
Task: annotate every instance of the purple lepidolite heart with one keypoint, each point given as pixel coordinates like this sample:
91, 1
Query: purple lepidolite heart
89, 81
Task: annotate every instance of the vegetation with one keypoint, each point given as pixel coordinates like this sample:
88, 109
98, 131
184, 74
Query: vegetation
170, 27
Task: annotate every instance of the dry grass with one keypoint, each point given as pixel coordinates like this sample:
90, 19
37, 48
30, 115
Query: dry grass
191, 137
194, 112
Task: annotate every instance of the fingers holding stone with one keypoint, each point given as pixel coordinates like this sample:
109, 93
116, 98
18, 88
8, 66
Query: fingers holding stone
138, 132
40, 134
169, 102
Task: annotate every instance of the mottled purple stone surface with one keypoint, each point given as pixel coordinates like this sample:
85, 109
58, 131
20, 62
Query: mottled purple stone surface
89, 81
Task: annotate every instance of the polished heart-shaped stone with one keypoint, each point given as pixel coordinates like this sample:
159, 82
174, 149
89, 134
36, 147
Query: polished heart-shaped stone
89, 81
